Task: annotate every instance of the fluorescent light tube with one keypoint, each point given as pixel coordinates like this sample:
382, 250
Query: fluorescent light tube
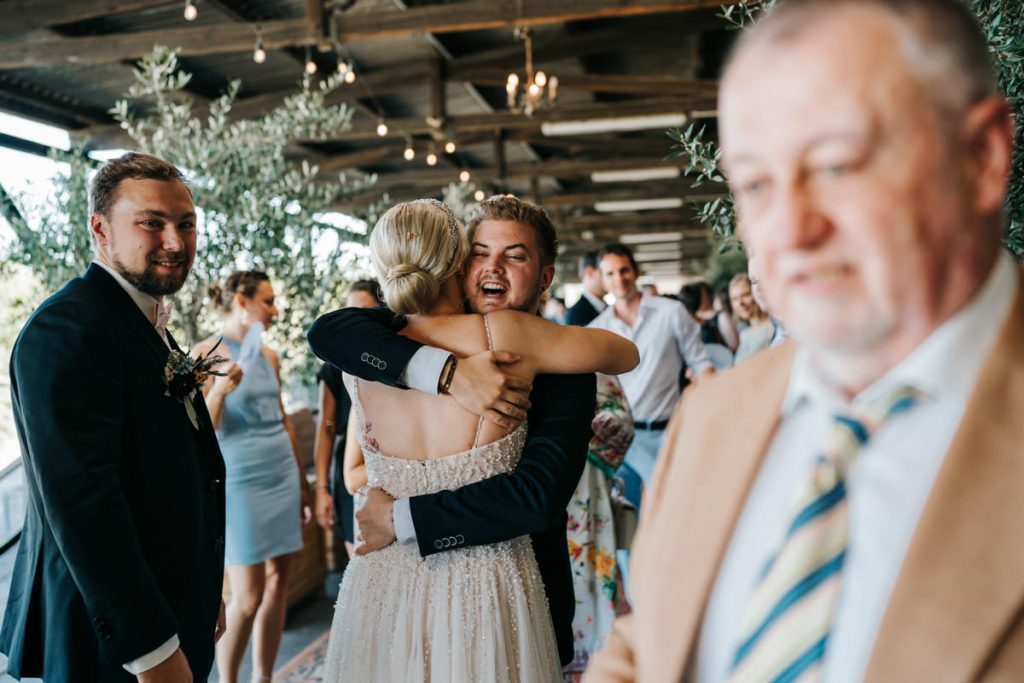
635, 174
586, 126
651, 237
639, 204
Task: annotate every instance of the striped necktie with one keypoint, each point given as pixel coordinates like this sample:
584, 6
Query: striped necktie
787, 621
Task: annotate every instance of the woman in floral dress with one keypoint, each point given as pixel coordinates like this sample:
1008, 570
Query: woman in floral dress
591, 530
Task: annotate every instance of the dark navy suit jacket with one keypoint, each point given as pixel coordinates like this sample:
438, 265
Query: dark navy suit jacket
123, 543
530, 500
581, 313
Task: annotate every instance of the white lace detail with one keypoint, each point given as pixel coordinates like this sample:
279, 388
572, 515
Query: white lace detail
465, 614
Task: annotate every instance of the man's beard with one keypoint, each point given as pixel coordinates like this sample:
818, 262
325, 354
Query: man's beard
148, 281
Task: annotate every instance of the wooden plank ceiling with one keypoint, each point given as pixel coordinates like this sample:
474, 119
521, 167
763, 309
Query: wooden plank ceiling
434, 72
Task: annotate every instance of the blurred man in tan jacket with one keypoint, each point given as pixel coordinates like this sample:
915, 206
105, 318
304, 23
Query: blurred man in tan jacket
847, 506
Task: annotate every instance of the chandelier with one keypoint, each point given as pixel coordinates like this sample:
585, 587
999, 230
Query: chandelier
537, 90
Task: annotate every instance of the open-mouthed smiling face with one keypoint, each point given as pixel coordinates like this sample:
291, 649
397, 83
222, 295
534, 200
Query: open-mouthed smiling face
505, 269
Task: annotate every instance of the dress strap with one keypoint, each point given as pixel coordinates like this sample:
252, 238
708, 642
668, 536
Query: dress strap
490, 347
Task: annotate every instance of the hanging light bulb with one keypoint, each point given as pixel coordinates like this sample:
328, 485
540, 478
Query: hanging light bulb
259, 55
382, 128
342, 67
449, 147
512, 83
409, 152
540, 79
350, 75
310, 64
479, 195
431, 159
464, 176
190, 11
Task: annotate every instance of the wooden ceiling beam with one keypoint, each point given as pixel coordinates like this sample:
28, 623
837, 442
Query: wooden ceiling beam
25, 15
235, 37
475, 123
612, 83
495, 14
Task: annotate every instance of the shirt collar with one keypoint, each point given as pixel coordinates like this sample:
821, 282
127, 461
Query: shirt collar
595, 301
946, 364
148, 304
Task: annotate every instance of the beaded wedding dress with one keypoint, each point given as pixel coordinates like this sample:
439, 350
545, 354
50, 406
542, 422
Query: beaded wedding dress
470, 614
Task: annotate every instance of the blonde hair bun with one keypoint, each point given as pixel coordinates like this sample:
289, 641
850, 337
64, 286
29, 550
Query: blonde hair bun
415, 247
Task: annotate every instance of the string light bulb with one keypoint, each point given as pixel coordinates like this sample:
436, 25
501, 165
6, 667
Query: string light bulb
382, 128
479, 195
431, 159
190, 11
259, 55
464, 176
449, 147
350, 75
310, 64
409, 152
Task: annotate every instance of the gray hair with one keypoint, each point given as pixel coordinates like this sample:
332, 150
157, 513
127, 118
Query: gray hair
942, 41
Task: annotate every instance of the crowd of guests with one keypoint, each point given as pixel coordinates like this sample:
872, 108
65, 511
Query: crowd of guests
682, 338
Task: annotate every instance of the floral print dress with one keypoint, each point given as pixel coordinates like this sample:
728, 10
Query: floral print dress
591, 531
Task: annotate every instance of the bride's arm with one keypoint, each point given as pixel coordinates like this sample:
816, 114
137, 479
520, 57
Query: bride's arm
562, 349
365, 342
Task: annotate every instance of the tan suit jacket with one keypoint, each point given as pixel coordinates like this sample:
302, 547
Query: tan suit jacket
957, 608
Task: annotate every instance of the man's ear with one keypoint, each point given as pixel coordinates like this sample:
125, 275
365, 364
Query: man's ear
547, 275
99, 229
987, 131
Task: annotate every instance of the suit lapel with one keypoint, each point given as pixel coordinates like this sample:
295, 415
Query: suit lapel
705, 496
963, 577
127, 310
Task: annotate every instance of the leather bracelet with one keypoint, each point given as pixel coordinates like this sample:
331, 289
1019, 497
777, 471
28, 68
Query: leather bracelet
447, 383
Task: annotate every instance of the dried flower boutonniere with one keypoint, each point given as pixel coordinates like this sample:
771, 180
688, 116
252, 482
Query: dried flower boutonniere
185, 375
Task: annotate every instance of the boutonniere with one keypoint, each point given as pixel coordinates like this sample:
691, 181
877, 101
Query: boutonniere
184, 376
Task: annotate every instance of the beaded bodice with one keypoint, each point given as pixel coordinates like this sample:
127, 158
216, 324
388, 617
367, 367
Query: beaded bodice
403, 478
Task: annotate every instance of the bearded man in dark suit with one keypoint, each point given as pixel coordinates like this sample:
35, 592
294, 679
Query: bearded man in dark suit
120, 566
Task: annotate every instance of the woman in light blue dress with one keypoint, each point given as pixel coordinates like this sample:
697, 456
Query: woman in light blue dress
266, 489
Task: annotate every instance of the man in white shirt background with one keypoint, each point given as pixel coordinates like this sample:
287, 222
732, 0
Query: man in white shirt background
846, 507
669, 341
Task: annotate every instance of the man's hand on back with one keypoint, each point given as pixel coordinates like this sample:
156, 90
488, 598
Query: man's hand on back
480, 386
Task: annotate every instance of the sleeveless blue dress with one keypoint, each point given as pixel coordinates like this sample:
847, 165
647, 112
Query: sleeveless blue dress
262, 483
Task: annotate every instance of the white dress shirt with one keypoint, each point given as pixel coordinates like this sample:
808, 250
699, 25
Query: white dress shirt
148, 305
888, 486
667, 336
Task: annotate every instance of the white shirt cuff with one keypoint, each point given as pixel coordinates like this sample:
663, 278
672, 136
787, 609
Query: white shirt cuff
157, 656
401, 517
423, 373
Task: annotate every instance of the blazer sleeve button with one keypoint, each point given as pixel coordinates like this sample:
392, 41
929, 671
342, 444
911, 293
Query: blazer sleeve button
438, 545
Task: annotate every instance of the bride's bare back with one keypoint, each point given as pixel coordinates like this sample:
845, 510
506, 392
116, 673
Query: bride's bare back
418, 426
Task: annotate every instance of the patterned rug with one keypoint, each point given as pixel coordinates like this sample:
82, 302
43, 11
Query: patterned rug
307, 666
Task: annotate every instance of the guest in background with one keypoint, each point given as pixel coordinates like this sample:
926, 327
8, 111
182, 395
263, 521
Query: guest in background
726, 318
779, 335
760, 329
333, 499
697, 298
591, 302
650, 289
668, 339
267, 494
592, 534
554, 310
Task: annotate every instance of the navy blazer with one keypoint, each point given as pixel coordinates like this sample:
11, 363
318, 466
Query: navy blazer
530, 500
581, 313
123, 543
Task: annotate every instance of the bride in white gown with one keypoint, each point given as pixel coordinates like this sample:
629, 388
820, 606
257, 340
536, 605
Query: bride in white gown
472, 613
